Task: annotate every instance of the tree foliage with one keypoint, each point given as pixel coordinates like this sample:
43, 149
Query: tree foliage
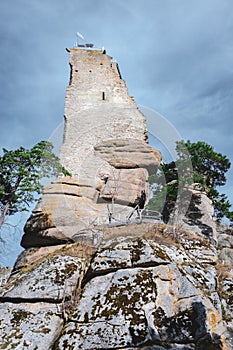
209, 166
21, 172
208, 172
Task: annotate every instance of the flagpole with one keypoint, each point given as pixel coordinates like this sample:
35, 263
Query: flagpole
79, 35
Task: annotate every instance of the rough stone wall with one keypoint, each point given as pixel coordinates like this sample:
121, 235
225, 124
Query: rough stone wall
105, 149
97, 107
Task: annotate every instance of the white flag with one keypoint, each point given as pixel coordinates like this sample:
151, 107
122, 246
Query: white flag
80, 36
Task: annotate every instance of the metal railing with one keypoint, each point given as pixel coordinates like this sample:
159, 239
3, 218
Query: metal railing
148, 214
136, 216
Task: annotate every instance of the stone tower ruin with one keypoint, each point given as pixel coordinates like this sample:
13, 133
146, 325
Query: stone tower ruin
97, 107
104, 148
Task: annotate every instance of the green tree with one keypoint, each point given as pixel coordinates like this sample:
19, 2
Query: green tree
21, 172
208, 171
209, 166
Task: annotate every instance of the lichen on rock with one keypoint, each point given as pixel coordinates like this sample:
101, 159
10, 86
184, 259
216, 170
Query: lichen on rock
130, 292
29, 326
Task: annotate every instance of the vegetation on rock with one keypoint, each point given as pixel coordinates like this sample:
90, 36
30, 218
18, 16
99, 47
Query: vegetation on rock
208, 172
21, 171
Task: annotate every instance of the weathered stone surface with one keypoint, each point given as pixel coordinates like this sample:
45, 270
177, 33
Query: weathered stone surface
199, 217
60, 216
139, 306
72, 181
96, 93
40, 231
225, 276
164, 299
70, 186
225, 244
92, 236
32, 255
129, 153
225, 240
140, 287
226, 256
4, 274
40, 220
29, 326
225, 279
128, 254
57, 222
125, 185
54, 279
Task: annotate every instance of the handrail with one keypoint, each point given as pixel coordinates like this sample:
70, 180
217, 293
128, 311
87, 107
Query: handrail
122, 220
153, 213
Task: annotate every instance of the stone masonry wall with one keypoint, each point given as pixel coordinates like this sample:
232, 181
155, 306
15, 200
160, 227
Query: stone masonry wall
97, 107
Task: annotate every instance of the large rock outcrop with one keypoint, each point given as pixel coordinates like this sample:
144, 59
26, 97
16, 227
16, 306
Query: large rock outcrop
104, 148
89, 280
69, 205
140, 288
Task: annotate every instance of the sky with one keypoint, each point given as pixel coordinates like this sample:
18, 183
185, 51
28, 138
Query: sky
175, 55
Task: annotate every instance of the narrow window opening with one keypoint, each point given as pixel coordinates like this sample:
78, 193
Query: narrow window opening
71, 74
103, 95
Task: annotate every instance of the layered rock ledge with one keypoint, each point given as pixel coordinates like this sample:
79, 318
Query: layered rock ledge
139, 288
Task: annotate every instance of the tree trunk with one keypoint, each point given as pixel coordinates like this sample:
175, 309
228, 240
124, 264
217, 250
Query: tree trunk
3, 214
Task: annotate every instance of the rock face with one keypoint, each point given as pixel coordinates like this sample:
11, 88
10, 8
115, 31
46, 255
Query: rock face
128, 153
141, 288
89, 280
199, 217
4, 274
225, 271
29, 326
104, 147
225, 243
